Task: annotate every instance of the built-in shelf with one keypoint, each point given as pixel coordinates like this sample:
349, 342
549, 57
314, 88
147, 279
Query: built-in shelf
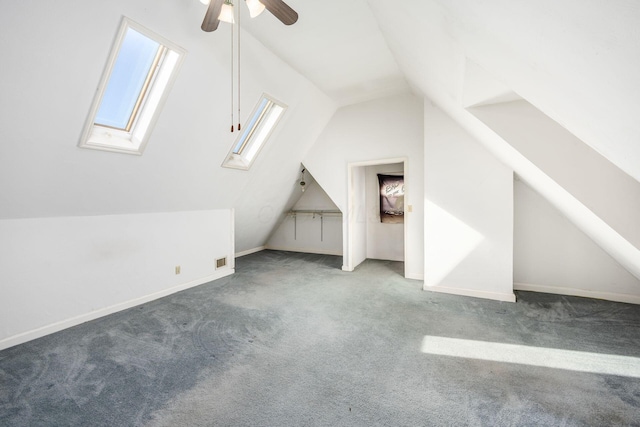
313, 211
320, 212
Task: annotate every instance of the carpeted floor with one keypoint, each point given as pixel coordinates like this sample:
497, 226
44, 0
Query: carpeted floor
291, 340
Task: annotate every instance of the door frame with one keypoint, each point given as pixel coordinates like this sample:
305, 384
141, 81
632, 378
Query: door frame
350, 219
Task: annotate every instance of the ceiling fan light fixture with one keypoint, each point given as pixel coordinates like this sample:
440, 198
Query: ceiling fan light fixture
205, 2
226, 13
255, 7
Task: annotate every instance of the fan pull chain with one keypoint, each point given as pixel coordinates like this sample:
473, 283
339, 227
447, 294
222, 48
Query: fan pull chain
239, 13
232, 78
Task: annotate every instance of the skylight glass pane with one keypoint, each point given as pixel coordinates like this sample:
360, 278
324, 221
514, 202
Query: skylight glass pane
130, 71
154, 96
266, 125
255, 133
250, 127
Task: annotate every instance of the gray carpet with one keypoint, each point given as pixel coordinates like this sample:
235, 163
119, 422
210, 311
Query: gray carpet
291, 340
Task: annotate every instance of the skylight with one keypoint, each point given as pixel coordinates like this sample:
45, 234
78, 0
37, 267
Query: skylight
129, 77
141, 69
261, 124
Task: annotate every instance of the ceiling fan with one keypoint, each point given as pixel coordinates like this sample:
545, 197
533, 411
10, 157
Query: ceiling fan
278, 8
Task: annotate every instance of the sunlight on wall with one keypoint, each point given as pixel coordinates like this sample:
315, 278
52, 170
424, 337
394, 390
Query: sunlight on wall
448, 241
580, 361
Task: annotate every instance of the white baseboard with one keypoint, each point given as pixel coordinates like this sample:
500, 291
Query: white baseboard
507, 297
305, 250
414, 276
559, 290
250, 251
77, 320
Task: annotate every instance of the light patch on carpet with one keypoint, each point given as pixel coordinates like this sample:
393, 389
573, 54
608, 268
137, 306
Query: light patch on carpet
608, 364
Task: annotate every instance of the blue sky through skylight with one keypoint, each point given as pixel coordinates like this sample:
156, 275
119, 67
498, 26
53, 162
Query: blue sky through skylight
127, 79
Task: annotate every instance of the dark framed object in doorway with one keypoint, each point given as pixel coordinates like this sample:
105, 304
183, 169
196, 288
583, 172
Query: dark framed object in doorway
391, 198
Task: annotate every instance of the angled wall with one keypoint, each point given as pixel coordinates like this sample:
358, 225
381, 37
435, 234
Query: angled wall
63, 271
310, 231
572, 62
603, 188
576, 61
468, 231
552, 255
42, 114
66, 193
387, 128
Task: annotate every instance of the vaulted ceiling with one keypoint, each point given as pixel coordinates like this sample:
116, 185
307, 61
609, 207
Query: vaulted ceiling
574, 65
570, 69
337, 45
576, 61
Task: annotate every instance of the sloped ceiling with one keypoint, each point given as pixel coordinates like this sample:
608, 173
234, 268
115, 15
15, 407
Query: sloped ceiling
337, 45
49, 79
576, 61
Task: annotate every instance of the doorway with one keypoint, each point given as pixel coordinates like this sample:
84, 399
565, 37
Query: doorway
364, 235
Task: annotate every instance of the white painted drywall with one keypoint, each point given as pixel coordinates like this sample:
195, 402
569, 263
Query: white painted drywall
601, 186
384, 241
59, 272
309, 232
553, 255
576, 61
433, 49
357, 223
337, 45
44, 174
387, 128
468, 213
51, 191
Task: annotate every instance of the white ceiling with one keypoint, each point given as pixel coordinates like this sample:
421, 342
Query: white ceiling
335, 44
576, 61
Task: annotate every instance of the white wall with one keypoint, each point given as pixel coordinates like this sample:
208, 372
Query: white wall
52, 191
59, 272
568, 68
355, 241
468, 213
553, 255
597, 183
594, 194
387, 128
576, 61
307, 232
384, 241
44, 174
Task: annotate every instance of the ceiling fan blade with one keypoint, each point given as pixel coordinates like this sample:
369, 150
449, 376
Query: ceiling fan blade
211, 20
281, 10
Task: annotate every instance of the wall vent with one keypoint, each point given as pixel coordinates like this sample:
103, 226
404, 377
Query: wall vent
221, 262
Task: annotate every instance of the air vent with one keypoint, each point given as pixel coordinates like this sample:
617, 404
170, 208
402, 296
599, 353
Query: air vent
221, 262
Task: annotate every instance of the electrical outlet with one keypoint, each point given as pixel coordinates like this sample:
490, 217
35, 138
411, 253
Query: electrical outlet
177, 269
409, 208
